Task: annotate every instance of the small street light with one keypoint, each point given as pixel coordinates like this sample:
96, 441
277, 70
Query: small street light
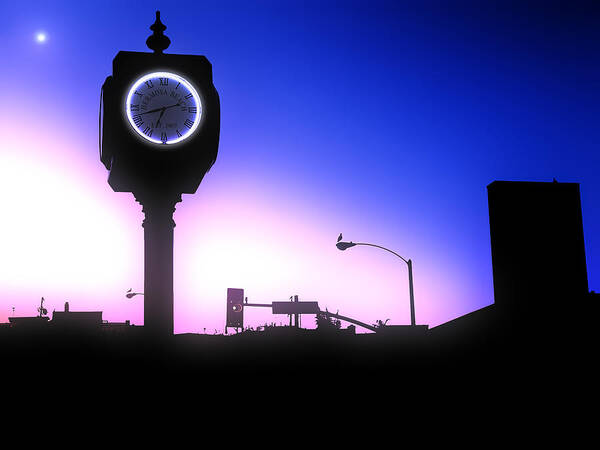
132, 294
341, 245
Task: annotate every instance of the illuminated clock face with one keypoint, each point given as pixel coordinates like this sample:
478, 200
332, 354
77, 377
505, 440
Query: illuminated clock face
163, 108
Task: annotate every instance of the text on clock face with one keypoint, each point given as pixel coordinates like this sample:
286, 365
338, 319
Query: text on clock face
163, 108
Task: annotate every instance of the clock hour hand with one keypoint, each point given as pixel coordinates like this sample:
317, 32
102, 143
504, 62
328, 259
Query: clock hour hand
160, 117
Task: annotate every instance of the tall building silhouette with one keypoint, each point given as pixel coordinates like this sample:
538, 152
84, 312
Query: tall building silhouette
538, 252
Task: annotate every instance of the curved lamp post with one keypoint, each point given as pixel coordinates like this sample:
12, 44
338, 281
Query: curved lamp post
341, 245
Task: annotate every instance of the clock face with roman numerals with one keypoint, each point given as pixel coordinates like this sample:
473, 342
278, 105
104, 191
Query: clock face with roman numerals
164, 108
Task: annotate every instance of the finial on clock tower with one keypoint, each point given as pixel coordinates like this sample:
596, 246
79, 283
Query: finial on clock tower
158, 41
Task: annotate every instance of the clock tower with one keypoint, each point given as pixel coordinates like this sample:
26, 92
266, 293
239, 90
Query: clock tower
159, 135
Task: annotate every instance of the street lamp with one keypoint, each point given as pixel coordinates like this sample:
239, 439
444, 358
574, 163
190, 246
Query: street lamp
132, 294
341, 245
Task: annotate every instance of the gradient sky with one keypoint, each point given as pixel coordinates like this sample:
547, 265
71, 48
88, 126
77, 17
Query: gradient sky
382, 120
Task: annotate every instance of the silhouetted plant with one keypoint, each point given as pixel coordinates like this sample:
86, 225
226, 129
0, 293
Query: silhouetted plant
326, 323
381, 324
43, 311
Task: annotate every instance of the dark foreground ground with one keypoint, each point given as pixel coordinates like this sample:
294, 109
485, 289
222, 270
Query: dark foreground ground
483, 376
317, 389
481, 361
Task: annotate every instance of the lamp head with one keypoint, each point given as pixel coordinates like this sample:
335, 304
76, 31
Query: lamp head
344, 245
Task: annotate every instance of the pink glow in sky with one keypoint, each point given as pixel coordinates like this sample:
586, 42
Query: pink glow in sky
288, 179
66, 236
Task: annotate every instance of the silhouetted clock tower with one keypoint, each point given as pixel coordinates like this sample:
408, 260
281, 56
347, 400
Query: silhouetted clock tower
159, 129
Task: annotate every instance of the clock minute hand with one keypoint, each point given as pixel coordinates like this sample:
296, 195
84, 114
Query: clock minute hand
159, 109
151, 111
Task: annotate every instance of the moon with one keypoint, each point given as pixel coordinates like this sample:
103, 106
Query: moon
41, 37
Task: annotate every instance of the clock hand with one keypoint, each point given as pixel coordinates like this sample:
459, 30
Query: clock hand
151, 111
159, 109
160, 117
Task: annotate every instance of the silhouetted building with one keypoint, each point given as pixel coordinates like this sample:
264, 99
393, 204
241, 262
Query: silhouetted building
120, 329
538, 252
79, 319
28, 322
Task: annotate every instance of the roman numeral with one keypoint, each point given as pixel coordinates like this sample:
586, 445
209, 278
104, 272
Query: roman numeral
135, 108
138, 120
164, 81
149, 84
163, 137
188, 96
193, 109
188, 123
148, 131
177, 85
138, 93
178, 133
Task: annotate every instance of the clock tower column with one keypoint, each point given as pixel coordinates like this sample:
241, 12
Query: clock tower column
158, 226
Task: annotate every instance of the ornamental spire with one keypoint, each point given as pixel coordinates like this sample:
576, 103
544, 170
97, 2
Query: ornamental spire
158, 41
